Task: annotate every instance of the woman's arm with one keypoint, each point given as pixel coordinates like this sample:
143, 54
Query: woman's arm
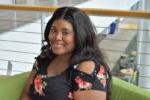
24, 95
89, 95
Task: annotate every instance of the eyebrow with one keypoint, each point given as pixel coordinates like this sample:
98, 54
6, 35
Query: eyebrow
64, 29
52, 27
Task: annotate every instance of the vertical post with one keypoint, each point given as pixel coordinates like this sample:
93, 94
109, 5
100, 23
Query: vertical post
43, 16
9, 68
143, 55
15, 15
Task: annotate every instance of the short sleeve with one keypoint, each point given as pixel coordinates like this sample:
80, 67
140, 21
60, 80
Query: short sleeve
85, 81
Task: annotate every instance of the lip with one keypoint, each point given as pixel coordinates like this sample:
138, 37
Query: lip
57, 45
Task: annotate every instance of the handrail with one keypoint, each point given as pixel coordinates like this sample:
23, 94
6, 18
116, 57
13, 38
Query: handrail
106, 12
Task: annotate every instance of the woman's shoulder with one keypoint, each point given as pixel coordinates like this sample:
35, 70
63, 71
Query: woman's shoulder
86, 66
90, 67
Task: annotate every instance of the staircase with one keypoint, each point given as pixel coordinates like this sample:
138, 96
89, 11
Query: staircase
113, 46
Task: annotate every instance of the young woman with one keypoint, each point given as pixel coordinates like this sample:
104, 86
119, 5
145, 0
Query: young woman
70, 66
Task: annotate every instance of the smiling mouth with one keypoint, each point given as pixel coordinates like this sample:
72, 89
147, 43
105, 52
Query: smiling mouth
57, 45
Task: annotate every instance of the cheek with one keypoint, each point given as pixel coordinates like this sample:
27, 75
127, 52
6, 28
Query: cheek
50, 38
71, 43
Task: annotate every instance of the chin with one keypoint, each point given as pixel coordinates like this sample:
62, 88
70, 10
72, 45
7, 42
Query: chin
61, 53
58, 52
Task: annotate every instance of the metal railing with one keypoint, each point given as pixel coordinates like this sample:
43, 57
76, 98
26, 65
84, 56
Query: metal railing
105, 12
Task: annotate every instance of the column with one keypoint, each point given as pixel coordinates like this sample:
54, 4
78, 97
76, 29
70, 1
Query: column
143, 57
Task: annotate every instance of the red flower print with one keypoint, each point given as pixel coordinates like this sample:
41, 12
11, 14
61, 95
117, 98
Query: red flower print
70, 96
82, 84
38, 84
101, 71
101, 75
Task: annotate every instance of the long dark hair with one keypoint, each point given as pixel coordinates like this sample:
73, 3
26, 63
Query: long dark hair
86, 44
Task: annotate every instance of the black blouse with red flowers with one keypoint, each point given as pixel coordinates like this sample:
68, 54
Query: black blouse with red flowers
60, 87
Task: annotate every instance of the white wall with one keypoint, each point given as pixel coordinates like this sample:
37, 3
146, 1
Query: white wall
6, 1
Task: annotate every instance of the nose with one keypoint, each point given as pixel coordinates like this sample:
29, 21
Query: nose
58, 36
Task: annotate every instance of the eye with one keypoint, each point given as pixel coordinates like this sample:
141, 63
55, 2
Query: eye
65, 33
52, 30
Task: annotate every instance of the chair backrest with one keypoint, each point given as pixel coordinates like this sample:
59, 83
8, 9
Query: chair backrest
11, 88
3, 76
122, 90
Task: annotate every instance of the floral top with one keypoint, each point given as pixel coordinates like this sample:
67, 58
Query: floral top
60, 87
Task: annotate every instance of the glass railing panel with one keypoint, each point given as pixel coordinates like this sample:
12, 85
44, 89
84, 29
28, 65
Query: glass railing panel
20, 40
127, 50
123, 40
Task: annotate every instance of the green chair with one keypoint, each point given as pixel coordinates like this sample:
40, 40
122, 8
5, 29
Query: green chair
3, 76
122, 90
11, 88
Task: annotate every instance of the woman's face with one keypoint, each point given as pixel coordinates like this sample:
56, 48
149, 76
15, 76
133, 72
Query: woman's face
61, 37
